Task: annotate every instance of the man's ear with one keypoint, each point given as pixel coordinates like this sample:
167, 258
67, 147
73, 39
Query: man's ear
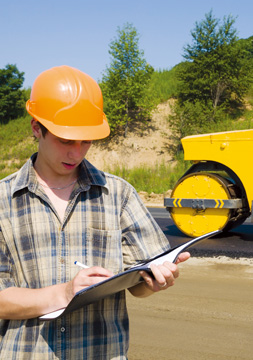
36, 128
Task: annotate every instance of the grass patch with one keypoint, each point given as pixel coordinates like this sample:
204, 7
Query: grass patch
16, 145
163, 85
157, 179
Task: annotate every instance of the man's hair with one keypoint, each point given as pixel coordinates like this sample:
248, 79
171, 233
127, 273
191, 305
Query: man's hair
43, 129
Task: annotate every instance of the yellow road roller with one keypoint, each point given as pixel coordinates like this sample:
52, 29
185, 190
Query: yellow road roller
216, 192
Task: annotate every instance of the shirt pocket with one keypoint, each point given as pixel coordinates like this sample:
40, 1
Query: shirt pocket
104, 248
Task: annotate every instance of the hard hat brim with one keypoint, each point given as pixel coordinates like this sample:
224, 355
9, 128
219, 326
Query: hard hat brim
97, 132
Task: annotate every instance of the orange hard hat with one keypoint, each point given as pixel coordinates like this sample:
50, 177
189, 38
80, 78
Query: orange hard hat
69, 103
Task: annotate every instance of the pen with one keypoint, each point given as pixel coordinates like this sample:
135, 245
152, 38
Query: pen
81, 265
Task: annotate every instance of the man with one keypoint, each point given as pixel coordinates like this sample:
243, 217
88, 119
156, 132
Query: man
58, 209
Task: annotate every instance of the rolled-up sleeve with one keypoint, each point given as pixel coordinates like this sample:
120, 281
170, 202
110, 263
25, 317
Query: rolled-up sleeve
142, 236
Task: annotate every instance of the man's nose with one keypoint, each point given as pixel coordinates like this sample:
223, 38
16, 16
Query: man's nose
75, 150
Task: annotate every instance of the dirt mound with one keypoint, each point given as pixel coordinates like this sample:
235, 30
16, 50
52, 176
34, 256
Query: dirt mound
147, 145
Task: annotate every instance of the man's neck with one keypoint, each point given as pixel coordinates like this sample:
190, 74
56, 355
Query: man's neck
52, 180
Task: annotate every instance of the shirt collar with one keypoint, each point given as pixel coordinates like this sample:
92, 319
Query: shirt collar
89, 175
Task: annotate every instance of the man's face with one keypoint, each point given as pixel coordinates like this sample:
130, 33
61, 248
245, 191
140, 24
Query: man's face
60, 155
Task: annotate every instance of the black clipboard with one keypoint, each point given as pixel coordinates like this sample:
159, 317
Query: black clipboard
123, 280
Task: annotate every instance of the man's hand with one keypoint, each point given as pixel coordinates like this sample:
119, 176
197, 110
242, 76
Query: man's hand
85, 278
164, 277
165, 274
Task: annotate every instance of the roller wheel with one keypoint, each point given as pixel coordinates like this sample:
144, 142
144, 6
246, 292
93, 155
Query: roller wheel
196, 222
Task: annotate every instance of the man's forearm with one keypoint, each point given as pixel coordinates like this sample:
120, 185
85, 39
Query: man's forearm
23, 303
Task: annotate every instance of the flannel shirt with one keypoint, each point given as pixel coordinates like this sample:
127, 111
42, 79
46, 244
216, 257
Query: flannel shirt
105, 224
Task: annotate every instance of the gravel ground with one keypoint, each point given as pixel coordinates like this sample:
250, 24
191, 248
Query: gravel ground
206, 315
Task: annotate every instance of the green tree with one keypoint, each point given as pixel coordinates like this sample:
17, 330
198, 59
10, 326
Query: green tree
213, 80
189, 119
12, 98
125, 82
217, 70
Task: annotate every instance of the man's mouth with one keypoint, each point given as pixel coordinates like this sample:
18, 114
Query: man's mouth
69, 166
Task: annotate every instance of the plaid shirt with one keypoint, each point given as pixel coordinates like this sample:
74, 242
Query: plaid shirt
105, 224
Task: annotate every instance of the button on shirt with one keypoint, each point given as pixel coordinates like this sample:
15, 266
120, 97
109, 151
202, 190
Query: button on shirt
106, 225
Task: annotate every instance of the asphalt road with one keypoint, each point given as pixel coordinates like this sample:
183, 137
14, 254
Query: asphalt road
235, 244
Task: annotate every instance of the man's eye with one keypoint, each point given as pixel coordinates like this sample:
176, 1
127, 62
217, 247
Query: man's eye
86, 141
63, 141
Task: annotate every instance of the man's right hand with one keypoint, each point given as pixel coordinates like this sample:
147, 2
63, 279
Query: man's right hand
85, 278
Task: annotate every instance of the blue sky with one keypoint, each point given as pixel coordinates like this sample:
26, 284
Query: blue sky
39, 34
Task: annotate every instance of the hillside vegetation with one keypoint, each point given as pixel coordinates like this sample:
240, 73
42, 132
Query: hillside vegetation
144, 158
150, 111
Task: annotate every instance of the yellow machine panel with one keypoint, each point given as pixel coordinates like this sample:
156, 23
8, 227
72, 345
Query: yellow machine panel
233, 149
